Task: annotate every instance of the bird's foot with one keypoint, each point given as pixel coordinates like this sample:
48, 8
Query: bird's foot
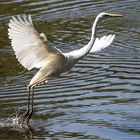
22, 119
29, 116
25, 118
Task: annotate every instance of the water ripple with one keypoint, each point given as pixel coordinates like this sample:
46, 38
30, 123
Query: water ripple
99, 98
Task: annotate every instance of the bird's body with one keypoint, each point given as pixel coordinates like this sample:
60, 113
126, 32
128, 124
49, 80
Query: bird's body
33, 50
52, 69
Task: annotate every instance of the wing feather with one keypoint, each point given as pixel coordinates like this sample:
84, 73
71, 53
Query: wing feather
101, 43
31, 48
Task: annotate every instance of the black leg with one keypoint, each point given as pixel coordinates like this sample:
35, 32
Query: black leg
32, 104
22, 118
28, 103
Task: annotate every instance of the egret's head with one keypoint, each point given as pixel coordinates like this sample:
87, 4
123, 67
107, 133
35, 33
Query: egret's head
105, 15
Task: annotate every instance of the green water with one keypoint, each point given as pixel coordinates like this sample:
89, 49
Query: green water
100, 97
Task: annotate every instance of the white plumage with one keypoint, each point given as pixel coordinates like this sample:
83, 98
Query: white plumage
33, 50
101, 43
30, 47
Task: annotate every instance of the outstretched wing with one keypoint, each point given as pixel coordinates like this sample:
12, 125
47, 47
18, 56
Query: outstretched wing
31, 48
101, 43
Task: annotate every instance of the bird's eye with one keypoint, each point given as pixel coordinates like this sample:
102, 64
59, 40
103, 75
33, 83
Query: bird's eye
107, 15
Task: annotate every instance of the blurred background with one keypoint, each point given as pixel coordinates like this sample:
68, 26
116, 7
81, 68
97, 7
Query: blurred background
100, 97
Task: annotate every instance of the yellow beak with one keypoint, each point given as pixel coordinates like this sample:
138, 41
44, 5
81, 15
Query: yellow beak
114, 15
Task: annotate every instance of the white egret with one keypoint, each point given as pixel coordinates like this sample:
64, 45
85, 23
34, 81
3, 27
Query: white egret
33, 50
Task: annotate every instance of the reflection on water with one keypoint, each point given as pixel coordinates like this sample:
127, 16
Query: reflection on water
99, 98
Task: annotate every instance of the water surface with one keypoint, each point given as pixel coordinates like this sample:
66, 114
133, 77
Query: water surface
100, 97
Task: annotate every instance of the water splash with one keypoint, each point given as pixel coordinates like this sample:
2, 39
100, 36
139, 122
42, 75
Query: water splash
15, 122
15, 126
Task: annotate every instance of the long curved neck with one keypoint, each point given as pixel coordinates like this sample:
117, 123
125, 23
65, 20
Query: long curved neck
86, 49
78, 54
